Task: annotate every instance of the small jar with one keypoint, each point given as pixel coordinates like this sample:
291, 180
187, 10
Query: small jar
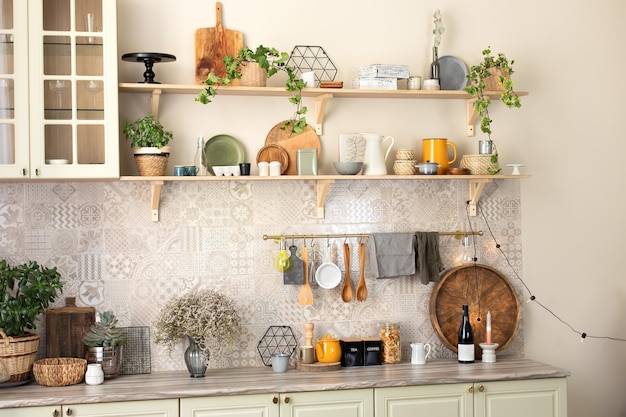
275, 169
431, 84
390, 337
264, 169
94, 374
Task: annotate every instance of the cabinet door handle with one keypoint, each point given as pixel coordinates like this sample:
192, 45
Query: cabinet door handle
481, 388
68, 412
55, 413
24, 172
275, 400
470, 389
286, 400
37, 173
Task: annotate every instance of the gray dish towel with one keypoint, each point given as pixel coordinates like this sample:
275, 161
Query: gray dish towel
392, 254
427, 257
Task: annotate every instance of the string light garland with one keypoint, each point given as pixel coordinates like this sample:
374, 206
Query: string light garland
532, 298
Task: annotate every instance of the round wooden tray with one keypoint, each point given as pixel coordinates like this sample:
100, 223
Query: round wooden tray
292, 142
273, 152
483, 289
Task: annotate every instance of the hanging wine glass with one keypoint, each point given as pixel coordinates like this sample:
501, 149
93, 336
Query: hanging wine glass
59, 87
94, 87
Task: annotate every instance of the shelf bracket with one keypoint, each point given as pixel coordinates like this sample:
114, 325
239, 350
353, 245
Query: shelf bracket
320, 110
156, 199
154, 102
476, 187
322, 193
471, 117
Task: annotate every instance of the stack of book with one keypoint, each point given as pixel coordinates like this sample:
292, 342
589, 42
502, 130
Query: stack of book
380, 76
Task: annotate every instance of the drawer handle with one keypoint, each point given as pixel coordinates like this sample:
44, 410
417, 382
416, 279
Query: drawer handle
470, 389
286, 400
275, 400
481, 388
68, 412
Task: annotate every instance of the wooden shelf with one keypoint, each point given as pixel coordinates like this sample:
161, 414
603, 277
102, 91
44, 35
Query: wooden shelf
321, 96
323, 183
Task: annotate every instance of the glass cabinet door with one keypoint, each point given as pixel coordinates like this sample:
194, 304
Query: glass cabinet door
14, 152
76, 133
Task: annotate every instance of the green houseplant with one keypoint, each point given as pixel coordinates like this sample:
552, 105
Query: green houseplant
28, 290
481, 79
104, 342
207, 319
270, 60
148, 139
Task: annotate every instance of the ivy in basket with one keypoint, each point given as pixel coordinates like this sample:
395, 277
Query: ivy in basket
149, 140
270, 60
28, 290
478, 75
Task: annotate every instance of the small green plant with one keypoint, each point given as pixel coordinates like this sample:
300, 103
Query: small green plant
271, 60
147, 132
476, 88
28, 290
105, 332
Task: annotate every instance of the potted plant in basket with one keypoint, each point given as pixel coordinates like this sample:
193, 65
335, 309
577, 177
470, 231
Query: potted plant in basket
28, 290
149, 140
207, 319
104, 342
492, 74
269, 60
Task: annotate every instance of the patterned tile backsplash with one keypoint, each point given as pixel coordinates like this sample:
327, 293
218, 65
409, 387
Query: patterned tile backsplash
210, 234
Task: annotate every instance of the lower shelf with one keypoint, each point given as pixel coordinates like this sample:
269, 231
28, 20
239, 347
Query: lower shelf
323, 182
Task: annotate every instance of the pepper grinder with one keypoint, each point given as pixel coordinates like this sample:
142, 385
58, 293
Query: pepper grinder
308, 334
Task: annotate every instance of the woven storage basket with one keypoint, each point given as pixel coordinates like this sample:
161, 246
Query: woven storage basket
404, 167
491, 83
151, 165
18, 354
479, 164
58, 372
252, 75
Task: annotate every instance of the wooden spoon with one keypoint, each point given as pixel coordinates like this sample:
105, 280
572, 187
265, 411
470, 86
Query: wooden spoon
361, 289
346, 292
306, 294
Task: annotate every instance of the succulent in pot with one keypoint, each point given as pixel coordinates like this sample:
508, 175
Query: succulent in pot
104, 343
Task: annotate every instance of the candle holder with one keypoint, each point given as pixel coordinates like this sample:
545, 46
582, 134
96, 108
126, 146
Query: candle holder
148, 59
489, 352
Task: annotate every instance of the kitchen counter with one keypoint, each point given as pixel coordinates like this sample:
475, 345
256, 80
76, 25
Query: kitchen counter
218, 382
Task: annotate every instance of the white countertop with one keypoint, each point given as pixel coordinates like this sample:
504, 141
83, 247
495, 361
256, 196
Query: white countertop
179, 384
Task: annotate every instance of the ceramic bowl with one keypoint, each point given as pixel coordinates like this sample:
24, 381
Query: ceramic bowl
348, 168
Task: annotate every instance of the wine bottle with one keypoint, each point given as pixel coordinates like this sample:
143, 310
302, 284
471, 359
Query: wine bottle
465, 347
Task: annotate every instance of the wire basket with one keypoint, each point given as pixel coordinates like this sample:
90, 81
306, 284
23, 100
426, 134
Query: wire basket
479, 164
252, 75
59, 372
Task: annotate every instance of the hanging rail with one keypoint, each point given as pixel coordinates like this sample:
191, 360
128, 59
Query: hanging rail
457, 234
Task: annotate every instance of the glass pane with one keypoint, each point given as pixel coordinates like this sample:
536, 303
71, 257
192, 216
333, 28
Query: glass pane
7, 100
7, 143
90, 100
89, 15
57, 55
58, 99
90, 144
56, 14
6, 14
6, 54
58, 143
89, 55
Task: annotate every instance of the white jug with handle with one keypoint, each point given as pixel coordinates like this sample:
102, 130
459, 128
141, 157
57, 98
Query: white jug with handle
375, 154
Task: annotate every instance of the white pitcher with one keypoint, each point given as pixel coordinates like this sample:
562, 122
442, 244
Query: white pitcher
419, 353
375, 154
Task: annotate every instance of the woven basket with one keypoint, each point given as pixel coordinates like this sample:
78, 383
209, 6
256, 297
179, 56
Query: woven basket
252, 75
18, 354
59, 372
151, 165
479, 164
491, 83
404, 167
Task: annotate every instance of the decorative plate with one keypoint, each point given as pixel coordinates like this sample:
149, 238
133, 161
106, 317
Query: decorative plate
222, 150
277, 339
452, 72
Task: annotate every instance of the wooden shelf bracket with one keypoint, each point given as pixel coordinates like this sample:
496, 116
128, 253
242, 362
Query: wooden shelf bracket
471, 117
156, 200
476, 187
322, 193
154, 102
320, 110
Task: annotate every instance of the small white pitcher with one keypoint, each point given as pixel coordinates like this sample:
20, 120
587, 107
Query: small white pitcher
419, 353
374, 161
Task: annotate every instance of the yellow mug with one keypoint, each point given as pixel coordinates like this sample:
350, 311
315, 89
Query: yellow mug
436, 150
327, 349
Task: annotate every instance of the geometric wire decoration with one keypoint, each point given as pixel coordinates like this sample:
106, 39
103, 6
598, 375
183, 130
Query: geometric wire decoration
313, 58
277, 339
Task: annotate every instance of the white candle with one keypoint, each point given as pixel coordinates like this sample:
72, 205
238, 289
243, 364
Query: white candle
489, 327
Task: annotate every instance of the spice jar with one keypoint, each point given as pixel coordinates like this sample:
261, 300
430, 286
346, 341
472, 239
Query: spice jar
390, 336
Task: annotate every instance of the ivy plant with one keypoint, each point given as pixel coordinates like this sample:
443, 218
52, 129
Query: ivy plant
147, 132
271, 60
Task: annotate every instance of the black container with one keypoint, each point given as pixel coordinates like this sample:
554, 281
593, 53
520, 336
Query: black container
372, 352
351, 352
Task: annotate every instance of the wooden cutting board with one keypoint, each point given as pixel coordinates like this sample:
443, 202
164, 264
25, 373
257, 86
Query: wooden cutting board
212, 44
483, 289
65, 328
292, 142
318, 366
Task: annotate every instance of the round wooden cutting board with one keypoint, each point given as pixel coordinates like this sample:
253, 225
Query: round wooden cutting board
483, 289
292, 142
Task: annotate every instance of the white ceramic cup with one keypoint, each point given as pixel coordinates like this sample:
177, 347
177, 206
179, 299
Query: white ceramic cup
280, 362
275, 169
419, 353
264, 169
309, 78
